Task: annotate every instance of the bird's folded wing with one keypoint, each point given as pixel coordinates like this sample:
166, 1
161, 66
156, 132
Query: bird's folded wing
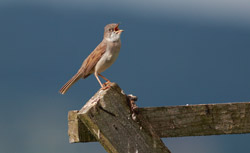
92, 59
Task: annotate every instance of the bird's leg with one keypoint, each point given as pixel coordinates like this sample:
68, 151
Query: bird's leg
107, 80
98, 79
103, 87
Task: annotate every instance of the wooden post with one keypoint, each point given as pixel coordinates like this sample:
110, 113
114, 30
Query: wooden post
107, 116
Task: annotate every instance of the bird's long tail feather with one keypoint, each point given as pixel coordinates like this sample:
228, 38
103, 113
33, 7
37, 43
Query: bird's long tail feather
67, 85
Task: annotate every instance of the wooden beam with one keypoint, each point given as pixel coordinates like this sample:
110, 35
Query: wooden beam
193, 120
199, 120
107, 116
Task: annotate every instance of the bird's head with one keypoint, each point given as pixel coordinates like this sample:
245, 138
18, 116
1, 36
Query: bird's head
112, 32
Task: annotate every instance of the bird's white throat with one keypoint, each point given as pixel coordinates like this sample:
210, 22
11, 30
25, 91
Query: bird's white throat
114, 37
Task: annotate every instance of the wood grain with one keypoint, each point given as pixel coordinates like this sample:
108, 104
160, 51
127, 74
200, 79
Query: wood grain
199, 120
192, 120
108, 118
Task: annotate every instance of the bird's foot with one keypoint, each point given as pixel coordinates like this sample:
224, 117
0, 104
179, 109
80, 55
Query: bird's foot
105, 87
106, 83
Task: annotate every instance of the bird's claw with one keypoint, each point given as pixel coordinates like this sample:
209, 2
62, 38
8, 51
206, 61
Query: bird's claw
106, 83
105, 87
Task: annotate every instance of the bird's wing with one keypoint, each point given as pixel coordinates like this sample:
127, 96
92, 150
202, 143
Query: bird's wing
90, 62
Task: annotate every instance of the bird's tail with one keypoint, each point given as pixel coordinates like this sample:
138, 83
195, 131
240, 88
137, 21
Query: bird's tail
67, 85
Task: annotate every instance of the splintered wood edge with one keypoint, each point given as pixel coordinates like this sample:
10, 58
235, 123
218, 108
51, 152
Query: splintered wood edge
108, 116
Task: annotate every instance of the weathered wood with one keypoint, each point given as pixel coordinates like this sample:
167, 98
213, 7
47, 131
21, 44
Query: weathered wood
108, 117
77, 131
197, 120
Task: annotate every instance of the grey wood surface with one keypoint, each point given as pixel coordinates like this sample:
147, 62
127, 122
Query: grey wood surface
191, 120
107, 116
199, 120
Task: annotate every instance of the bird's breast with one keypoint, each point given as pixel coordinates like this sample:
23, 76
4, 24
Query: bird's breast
108, 58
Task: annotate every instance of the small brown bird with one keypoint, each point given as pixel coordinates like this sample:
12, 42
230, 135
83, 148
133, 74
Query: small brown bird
103, 56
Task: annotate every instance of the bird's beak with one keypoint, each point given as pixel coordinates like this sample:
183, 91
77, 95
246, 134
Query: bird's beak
117, 28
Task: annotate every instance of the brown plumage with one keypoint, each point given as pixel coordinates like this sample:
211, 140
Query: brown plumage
98, 61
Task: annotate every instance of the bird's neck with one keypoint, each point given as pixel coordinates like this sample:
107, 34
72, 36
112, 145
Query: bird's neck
113, 45
112, 39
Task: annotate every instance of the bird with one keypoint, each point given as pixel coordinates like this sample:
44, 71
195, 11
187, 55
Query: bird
101, 58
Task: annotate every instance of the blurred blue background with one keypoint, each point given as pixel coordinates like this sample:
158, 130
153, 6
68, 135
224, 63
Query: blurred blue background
173, 52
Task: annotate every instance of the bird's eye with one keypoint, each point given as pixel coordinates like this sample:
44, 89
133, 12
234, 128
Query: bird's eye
110, 29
